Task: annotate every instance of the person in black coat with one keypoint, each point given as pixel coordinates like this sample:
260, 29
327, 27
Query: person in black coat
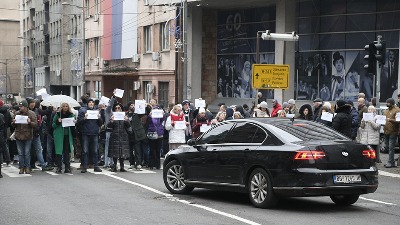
342, 121
306, 112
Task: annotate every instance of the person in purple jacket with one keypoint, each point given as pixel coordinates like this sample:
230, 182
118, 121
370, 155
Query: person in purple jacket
155, 132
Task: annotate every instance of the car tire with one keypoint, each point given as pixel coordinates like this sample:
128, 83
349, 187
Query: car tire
174, 178
344, 200
260, 189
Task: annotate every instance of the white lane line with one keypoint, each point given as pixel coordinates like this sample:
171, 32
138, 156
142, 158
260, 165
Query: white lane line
172, 198
52, 173
377, 201
13, 172
387, 174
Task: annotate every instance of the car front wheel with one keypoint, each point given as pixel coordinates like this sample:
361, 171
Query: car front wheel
344, 200
174, 178
260, 189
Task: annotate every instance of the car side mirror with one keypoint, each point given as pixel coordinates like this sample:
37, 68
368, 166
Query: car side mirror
191, 142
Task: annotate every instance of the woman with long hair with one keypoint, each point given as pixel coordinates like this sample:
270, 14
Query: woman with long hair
63, 137
119, 140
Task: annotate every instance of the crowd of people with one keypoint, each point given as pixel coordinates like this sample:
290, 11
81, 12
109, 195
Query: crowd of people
31, 133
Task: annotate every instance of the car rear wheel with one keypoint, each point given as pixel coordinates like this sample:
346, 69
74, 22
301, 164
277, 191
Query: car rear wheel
344, 200
174, 178
260, 189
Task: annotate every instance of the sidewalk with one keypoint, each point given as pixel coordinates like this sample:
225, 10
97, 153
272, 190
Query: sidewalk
384, 158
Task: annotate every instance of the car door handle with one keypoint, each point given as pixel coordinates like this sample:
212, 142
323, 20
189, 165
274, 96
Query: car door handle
246, 149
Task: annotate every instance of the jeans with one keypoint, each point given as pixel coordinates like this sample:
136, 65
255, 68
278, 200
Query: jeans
90, 144
24, 153
390, 141
107, 160
50, 149
37, 145
145, 151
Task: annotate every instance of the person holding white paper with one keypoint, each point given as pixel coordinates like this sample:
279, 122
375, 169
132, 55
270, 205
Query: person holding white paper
24, 136
63, 137
324, 109
90, 136
119, 140
369, 132
155, 132
176, 136
201, 119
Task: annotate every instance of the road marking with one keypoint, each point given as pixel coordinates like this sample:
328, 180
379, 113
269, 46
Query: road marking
52, 173
172, 198
387, 174
13, 172
377, 201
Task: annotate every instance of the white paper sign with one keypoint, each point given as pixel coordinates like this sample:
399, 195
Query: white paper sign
67, 122
368, 116
180, 125
380, 119
204, 128
119, 93
397, 116
45, 96
157, 113
20, 119
119, 115
199, 103
41, 91
140, 107
104, 100
327, 116
290, 115
92, 114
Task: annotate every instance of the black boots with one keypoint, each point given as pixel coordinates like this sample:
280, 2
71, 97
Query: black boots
59, 163
1, 176
121, 165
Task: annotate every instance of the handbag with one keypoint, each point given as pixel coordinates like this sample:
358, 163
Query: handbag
152, 135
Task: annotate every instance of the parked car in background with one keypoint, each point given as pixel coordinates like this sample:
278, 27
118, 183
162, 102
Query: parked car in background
270, 158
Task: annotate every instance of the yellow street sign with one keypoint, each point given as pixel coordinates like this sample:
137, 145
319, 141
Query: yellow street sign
270, 76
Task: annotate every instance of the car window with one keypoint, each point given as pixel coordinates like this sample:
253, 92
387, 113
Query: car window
246, 133
216, 135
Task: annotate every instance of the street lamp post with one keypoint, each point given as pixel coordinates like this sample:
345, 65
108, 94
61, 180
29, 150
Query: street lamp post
83, 82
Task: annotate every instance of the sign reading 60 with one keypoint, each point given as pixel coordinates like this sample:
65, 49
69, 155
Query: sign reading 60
233, 22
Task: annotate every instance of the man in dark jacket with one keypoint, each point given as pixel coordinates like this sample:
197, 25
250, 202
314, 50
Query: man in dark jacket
317, 108
7, 123
391, 130
90, 135
354, 120
342, 121
136, 138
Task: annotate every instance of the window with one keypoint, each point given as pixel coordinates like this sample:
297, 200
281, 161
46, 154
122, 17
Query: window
246, 133
87, 8
96, 47
148, 39
87, 47
216, 135
164, 36
96, 7
97, 89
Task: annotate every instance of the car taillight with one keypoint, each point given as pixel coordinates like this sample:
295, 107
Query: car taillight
307, 155
370, 153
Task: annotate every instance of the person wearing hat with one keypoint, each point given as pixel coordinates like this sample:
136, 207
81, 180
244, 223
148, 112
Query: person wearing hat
317, 103
262, 110
24, 135
342, 121
201, 119
391, 130
292, 108
90, 129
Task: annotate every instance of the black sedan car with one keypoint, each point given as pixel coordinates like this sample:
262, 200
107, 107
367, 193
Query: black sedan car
269, 158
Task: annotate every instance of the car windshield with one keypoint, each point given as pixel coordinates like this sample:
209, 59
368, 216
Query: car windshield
307, 131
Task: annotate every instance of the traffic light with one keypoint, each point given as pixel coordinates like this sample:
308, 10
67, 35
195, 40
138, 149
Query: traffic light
370, 57
380, 51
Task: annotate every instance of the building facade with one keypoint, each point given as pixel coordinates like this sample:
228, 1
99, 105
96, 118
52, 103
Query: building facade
10, 79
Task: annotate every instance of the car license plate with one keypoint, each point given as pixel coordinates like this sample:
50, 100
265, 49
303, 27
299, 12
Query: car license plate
347, 179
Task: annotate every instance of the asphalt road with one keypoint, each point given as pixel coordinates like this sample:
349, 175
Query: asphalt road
141, 198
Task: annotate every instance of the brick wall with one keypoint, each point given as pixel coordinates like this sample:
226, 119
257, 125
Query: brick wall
209, 57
